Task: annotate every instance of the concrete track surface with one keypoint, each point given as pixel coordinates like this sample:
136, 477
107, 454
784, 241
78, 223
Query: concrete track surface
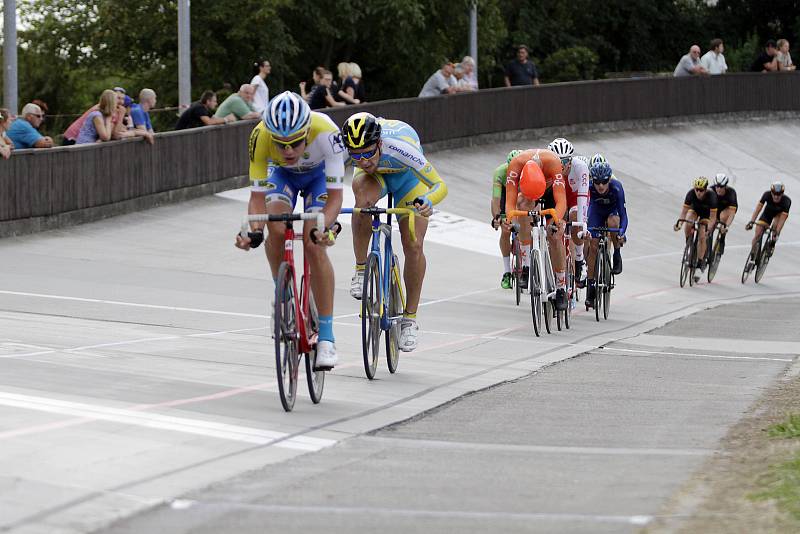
137, 368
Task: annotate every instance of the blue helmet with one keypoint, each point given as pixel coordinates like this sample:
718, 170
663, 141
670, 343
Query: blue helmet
287, 114
601, 172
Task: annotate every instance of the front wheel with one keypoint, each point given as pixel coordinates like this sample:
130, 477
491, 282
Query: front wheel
685, 262
315, 379
516, 268
286, 337
763, 261
747, 267
394, 311
716, 257
371, 316
535, 287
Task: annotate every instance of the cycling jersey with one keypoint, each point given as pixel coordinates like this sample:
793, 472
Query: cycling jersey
553, 175
499, 180
701, 206
727, 200
578, 190
402, 169
320, 167
771, 208
601, 207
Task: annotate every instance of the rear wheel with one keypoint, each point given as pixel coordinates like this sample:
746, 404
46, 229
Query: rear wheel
315, 379
285, 334
599, 280
686, 261
394, 311
371, 316
716, 256
572, 291
516, 268
747, 268
763, 261
535, 287
692, 259
606, 286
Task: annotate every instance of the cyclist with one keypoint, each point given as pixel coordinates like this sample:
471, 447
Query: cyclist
776, 210
700, 204
497, 206
577, 173
727, 205
606, 208
295, 150
389, 159
521, 169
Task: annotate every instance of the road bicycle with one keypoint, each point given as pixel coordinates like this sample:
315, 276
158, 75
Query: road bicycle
295, 321
715, 248
690, 256
603, 274
565, 316
764, 250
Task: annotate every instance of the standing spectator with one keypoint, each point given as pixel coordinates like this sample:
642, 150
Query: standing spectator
199, 113
713, 60
767, 60
462, 85
441, 82
345, 90
140, 113
316, 76
98, 125
6, 144
23, 131
239, 105
689, 65
261, 69
321, 96
356, 83
470, 76
783, 56
521, 71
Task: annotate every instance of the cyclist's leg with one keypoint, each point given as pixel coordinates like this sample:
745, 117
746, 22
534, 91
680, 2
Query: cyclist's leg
761, 225
322, 279
613, 221
597, 217
688, 229
577, 242
555, 243
702, 238
280, 194
498, 206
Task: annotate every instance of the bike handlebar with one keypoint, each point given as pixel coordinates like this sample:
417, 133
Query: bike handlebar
375, 211
283, 217
522, 213
694, 223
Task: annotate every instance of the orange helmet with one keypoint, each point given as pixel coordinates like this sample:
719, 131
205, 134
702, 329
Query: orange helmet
532, 183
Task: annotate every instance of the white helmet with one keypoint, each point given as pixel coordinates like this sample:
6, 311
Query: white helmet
597, 158
721, 180
561, 147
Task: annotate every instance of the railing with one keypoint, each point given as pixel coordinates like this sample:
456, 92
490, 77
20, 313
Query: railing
50, 187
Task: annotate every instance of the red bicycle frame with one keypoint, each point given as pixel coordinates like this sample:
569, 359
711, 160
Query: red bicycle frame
302, 305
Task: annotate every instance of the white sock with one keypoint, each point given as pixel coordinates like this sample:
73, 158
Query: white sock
579, 252
526, 255
506, 264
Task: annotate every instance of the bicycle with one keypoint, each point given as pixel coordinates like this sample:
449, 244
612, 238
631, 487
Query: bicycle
572, 287
689, 259
542, 280
603, 275
763, 253
382, 298
293, 338
516, 255
715, 248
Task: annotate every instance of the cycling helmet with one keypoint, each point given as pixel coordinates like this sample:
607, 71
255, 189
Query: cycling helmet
777, 187
721, 180
701, 182
532, 183
561, 147
597, 158
287, 115
361, 130
513, 154
601, 172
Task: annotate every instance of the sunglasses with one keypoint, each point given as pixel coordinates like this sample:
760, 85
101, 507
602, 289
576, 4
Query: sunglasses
363, 155
566, 161
601, 182
700, 190
290, 144
777, 194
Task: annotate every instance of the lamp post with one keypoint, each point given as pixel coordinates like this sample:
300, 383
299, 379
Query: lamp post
10, 55
184, 55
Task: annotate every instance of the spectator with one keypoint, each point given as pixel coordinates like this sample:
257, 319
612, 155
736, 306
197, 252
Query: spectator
470, 76
344, 91
355, 82
261, 69
441, 82
239, 105
6, 145
23, 131
521, 71
321, 96
316, 76
713, 60
767, 61
783, 56
199, 113
72, 131
99, 125
462, 85
140, 113
689, 65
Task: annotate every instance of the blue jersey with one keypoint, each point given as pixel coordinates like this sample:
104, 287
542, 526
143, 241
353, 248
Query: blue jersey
611, 203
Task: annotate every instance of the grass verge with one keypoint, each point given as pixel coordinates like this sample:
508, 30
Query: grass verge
782, 482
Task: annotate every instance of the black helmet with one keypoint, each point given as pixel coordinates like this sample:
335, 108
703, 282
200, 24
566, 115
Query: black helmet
361, 130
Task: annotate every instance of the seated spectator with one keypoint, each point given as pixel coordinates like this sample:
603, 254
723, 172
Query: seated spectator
261, 69
521, 71
345, 82
23, 131
441, 82
6, 145
316, 76
713, 60
140, 113
321, 96
470, 76
462, 85
767, 60
199, 113
783, 56
239, 105
98, 125
354, 85
689, 65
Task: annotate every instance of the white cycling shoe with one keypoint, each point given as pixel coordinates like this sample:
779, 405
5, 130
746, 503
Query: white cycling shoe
326, 356
409, 330
357, 285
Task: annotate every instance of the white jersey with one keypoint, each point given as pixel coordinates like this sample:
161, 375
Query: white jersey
578, 181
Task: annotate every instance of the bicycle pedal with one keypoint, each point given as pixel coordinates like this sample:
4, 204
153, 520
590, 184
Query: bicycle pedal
325, 368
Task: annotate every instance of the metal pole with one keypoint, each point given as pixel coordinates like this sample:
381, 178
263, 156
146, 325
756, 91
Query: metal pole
184, 55
10, 55
473, 32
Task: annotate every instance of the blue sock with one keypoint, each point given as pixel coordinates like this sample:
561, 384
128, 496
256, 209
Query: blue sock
326, 328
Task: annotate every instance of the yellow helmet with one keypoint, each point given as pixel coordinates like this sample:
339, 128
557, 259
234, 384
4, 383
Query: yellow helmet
701, 182
361, 130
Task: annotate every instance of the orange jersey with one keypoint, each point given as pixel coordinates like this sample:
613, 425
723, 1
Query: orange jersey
553, 175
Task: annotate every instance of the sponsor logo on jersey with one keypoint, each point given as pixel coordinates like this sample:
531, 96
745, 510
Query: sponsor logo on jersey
251, 144
336, 142
408, 155
331, 180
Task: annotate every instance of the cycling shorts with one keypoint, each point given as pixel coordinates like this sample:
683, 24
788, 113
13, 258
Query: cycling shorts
598, 216
767, 216
405, 187
283, 185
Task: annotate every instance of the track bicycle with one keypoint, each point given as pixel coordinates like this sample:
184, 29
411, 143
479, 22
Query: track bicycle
764, 250
603, 275
715, 248
690, 256
565, 316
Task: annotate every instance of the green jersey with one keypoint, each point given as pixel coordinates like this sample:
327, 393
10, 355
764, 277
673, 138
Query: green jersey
499, 180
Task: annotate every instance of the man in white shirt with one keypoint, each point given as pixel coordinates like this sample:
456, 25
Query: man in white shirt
441, 82
713, 60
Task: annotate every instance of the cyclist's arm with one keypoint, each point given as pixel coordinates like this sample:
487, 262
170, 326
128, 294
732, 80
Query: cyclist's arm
437, 189
623, 212
783, 216
333, 205
757, 211
560, 196
583, 197
334, 176
498, 188
258, 148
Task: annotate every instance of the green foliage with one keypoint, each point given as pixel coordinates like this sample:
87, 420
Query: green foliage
740, 58
567, 64
782, 484
788, 429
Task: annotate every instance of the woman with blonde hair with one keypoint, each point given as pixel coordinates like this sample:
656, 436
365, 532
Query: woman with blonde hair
98, 124
784, 58
337, 88
6, 145
352, 85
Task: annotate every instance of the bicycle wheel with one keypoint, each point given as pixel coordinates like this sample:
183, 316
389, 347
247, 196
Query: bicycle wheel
685, 261
371, 316
599, 281
716, 256
692, 260
394, 310
285, 334
314, 379
747, 269
535, 286
571, 292
763, 261
516, 268
607, 286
